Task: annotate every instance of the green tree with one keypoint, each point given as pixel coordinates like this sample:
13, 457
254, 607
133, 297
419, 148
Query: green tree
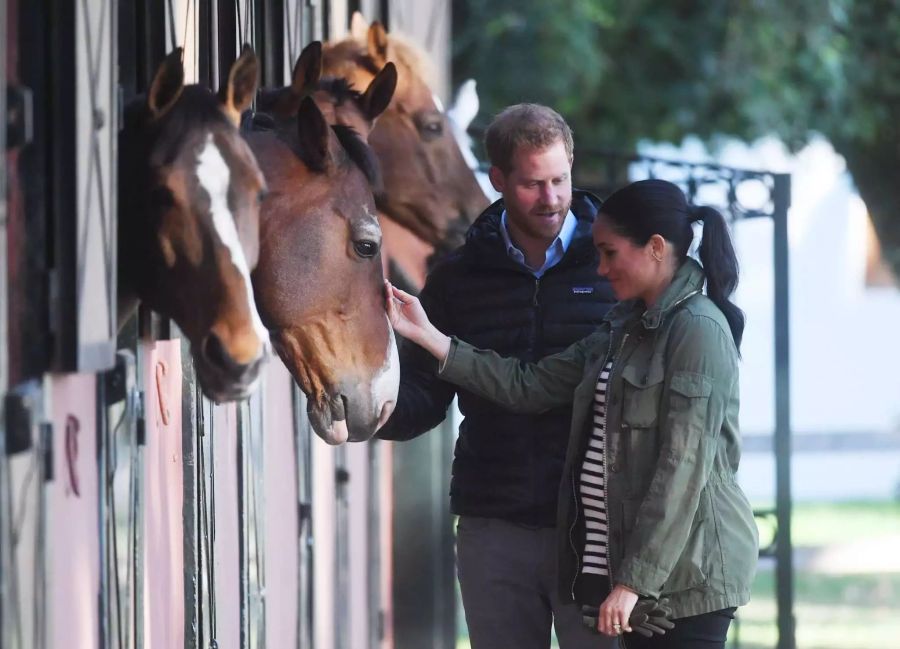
623, 70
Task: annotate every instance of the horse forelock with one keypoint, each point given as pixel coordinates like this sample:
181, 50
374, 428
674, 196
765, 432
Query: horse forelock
340, 89
360, 154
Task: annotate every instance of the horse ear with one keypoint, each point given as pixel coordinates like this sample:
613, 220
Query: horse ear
312, 133
380, 91
167, 84
465, 105
378, 43
359, 27
308, 69
237, 95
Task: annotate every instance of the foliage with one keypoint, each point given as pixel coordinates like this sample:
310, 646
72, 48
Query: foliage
623, 70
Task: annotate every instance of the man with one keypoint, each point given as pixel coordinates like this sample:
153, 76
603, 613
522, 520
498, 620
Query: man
524, 284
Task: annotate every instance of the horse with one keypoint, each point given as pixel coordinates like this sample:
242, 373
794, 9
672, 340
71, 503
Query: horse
188, 221
319, 283
430, 196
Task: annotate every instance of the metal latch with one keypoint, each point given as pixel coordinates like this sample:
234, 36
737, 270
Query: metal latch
19, 116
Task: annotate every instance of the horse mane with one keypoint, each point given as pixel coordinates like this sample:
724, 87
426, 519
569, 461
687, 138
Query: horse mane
401, 50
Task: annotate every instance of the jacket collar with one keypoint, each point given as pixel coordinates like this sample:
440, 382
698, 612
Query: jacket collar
687, 282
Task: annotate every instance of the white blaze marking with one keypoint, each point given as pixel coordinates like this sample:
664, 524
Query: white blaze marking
387, 383
437, 102
214, 177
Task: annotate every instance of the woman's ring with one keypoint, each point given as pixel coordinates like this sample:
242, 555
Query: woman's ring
618, 628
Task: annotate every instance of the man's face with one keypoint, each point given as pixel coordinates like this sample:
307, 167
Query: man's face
537, 191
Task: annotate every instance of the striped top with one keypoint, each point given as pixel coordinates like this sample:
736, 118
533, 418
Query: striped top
593, 485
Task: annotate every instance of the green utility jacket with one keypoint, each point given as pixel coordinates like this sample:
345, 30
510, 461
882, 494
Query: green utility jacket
679, 524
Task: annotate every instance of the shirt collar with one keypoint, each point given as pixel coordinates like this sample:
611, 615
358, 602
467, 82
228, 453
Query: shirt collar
557, 248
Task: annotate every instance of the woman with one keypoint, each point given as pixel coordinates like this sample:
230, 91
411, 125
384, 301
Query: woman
649, 504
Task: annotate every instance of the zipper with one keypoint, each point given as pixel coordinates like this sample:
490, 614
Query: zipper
606, 467
535, 324
571, 539
605, 487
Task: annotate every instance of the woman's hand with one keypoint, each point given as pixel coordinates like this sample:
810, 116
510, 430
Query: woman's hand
615, 611
409, 319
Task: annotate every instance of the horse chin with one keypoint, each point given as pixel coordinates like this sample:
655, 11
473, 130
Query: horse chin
329, 421
221, 388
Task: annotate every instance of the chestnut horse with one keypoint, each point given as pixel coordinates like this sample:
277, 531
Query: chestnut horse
430, 195
189, 221
319, 283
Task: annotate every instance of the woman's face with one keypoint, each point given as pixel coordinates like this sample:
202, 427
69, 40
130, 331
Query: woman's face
631, 269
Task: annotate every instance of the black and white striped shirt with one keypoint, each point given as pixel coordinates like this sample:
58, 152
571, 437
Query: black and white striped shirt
593, 485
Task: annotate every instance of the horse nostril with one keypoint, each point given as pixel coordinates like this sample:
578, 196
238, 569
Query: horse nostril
216, 354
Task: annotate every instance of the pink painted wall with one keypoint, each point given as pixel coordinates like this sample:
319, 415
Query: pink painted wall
280, 509
163, 497
73, 576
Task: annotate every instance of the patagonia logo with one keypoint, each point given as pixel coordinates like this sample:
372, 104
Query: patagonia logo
582, 290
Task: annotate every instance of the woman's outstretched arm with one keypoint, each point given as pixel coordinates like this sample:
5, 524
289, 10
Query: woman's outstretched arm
527, 387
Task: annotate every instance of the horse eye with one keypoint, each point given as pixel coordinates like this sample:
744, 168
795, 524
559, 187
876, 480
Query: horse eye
432, 129
365, 249
261, 195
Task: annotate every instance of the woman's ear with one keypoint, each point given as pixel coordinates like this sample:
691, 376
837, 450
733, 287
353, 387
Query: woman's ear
657, 246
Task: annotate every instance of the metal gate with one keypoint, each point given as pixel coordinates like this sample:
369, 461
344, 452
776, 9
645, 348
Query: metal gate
134, 512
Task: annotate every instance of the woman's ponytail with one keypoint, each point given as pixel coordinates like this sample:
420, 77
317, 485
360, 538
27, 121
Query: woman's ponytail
720, 266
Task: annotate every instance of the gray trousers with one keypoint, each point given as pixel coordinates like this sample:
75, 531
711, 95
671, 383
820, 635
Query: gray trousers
507, 574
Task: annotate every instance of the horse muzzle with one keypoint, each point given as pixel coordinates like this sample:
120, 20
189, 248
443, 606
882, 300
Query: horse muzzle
348, 418
221, 377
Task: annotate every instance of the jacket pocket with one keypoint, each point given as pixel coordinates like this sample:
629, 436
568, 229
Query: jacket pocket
641, 394
686, 416
691, 568
642, 391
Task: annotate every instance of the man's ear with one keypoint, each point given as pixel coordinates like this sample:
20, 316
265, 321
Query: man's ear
497, 177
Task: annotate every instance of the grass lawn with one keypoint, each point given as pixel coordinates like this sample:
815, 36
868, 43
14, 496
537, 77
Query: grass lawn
832, 612
837, 610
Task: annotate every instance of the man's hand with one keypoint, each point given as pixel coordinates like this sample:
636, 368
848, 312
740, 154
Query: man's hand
648, 617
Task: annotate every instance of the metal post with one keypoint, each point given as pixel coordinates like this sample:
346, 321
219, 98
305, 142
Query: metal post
376, 606
303, 441
342, 550
5, 537
243, 526
784, 570
190, 519
102, 436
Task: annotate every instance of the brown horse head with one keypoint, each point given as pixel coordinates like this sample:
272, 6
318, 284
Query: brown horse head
428, 188
319, 282
189, 221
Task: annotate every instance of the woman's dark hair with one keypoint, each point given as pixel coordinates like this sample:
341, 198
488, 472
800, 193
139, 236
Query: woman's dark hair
648, 207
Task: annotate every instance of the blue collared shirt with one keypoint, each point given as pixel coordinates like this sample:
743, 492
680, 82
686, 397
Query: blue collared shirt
554, 253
